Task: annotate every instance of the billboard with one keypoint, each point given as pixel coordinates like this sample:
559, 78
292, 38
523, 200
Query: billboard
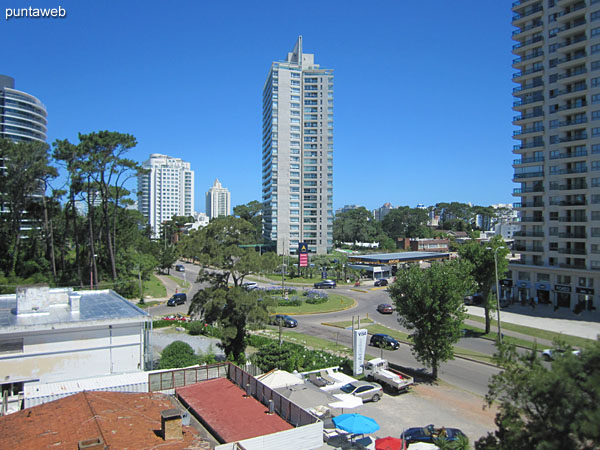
303, 254
359, 341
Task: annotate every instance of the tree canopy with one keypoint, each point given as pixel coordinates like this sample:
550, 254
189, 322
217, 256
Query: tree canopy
542, 407
356, 225
429, 302
177, 354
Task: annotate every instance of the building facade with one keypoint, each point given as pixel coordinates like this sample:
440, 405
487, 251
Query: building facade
165, 190
22, 116
557, 165
218, 201
297, 154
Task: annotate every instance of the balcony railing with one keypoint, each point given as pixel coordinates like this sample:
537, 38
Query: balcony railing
534, 159
573, 203
571, 58
526, 146
572, 266
528, 130
528, 12
572, 73
522, 73
580, 88
528, 190
532, 219
528, 57
528, 116
518, 176
572, 251
533, 40
524, 87
573, 219
527, 101
573, 170
531, 26
529, 234
528, 205
569, 155
524, 248
572, 235
568, 187
577, 137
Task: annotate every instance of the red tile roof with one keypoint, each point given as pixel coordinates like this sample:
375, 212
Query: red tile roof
231, 416
122, 420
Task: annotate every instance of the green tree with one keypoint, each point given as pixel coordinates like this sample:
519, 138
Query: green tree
406, 222
430, 302
22, 180
177, 354
356, 225
545, 408
218, 246
483, 269
251, 212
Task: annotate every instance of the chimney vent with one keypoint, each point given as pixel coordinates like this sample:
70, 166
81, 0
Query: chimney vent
91, 444
170, 420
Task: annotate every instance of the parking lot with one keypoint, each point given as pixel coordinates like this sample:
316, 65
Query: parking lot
439, 404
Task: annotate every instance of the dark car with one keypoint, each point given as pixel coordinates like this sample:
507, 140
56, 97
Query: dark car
325, 284
430, 433
180, 268
381, 282
385, 308
286, 321
473, 299
177, 299
384, 341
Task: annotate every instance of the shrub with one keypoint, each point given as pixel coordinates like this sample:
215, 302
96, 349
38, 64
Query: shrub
316, 300
196, 328
177, 354
295, 302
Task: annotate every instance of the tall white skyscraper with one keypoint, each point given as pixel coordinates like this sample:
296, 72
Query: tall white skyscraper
218, 201
297, 154
557, 71
166, 190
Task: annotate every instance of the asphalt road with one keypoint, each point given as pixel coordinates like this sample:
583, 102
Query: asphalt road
467, 375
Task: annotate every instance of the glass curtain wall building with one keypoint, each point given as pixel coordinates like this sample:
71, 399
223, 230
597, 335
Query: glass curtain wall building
22, 116
557, 165
297, 154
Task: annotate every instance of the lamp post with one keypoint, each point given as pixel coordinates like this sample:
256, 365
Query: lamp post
497, 289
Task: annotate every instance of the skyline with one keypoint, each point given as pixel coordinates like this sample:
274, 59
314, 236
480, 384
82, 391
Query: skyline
403, 89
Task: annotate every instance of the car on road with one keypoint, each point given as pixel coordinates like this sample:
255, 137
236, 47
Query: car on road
180, 268
284, 320
473, 299
384, 341
325, 284
385, 308
177, 299
381, 282
250, 285
366, 390
430, 433
550, 354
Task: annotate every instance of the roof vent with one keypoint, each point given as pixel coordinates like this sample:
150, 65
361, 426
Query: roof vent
170, 420
91, 444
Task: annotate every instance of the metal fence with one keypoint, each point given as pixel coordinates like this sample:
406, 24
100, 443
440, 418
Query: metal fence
172, 379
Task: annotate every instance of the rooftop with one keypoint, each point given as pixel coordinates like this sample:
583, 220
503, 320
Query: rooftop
393, 258
39, 307
121, 420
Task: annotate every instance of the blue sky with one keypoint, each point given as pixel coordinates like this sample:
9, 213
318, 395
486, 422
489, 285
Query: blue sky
422, 89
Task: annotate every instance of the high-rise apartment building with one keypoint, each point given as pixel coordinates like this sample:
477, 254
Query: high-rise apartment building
297, 154
22, 116
218, 201
558, 152
165, 190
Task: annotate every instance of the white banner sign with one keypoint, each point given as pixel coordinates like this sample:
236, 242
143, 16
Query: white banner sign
359, 340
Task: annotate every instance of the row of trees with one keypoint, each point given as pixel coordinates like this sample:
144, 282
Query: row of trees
80, 232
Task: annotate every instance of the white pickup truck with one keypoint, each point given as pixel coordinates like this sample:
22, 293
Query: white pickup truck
377, 369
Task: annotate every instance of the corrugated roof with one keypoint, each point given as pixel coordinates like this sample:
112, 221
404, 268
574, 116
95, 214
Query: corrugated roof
102, 305
398, 257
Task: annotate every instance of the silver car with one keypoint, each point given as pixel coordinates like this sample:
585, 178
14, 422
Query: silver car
365, 390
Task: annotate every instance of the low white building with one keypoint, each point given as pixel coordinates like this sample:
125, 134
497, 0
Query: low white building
49, 335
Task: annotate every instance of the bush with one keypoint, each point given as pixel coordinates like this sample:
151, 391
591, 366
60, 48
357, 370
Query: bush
295, 302
316, 300
177, 354
199, 327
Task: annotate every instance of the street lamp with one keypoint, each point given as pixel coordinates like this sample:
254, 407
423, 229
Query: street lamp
497, 288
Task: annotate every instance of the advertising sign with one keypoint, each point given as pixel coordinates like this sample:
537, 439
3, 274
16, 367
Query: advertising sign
303, 254
359, 340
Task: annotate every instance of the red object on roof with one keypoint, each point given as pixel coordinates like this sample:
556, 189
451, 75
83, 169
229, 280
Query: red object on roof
121, 420
223, 408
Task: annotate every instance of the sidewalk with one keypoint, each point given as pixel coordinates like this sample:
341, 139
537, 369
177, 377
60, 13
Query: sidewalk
585, 325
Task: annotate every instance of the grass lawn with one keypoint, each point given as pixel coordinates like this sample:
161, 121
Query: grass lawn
334, 303
309, 341
153, 288
574, 341
147, 304
179, 281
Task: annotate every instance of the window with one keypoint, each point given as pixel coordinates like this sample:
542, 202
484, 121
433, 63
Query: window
295, 74
595, 166
595, 65
595, 131
596, 82
595, 48
595, 32
11, 345
595, 16
295, 83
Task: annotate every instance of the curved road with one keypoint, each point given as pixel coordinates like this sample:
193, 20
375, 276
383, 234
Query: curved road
464, 374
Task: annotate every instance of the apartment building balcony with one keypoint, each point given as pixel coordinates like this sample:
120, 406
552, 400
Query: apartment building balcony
569, 155
570, 13
524, 73
526, 262
527, 116
522, 176
571, 73
575, 26
528, 190
528, 205
529, 234
568, 61
577, 137
572, 251
569, 171
523, 131
568, 187
517, 62
572, 43
522, 46
529, 249
530, 219
572, 235
576, 219
519, 3
573, 203
535, 159
527, 12
527, 86
568, 91
529, 101
519, 147
579, 266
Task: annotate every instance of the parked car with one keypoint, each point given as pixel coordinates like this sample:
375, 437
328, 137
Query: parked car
385, 308
381, 282
550, 354
177, 299
325, 284
430, 433
250, 285
285, 320
473, 299
363, 389
180, 268
385, 341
